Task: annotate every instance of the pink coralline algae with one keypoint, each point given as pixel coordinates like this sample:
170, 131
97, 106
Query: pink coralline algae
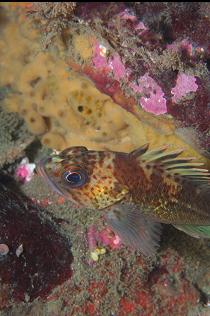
152, 99
105, 237
184, 85
99, 56
138, 25
113, 63
25, 171
108, 238
140, 28
117, 67
126, 15
183, 45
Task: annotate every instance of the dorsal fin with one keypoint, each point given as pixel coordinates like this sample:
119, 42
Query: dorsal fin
160, 155
139, 151
186, 168
72, 151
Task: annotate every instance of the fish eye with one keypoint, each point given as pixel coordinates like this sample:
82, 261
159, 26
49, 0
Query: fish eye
76, 178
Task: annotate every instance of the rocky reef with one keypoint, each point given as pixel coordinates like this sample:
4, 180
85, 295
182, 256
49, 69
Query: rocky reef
108, 76
38, 257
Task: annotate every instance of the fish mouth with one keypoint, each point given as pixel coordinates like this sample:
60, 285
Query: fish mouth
43, 173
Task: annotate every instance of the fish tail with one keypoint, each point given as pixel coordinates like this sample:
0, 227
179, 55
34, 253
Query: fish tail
195, 230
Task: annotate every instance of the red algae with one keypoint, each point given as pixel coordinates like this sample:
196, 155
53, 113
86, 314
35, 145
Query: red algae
127, 306
45, 258
172, 289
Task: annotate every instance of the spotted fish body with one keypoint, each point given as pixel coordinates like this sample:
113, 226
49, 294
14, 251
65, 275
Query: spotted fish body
101, 188
138, 191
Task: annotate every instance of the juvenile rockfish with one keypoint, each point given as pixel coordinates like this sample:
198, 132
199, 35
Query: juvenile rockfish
137, 191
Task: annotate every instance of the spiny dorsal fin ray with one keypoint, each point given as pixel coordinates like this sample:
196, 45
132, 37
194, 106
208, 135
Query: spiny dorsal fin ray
72, 151
160, 157
185, 168
186, 165
179, 160
139, 151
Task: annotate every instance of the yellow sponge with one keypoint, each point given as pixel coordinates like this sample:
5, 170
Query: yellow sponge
35, 122
12, 103
83, 46
54, 140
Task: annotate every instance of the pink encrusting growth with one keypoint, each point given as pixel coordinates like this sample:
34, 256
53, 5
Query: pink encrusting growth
108, 238
25, 171
140, 28
128, 16
184, 85
153, 98
183, 45
113, 63
99, 56
105, 237
117, 67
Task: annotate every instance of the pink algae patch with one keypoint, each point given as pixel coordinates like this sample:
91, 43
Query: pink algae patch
114, 63
117, 67
104, 237
184, 85
25, 171
99, 58
141, 28
108, 238
126, 15
183, 45
152, 99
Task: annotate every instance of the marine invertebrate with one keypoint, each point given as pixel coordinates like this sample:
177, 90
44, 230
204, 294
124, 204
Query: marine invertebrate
55, 103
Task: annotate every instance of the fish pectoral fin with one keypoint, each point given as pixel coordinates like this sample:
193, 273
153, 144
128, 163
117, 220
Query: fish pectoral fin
134, 229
